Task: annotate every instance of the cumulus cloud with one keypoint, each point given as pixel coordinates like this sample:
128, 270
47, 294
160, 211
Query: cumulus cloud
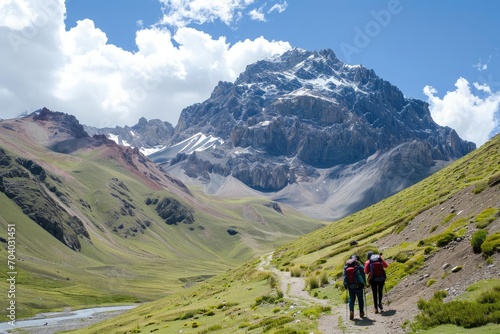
180, 13
257, 15
79, 72
16, 14
470, 112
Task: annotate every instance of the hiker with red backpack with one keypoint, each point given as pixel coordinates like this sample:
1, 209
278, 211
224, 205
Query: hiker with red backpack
355, 282
375, 269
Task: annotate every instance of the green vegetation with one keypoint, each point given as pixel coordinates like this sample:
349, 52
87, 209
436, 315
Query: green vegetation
132, 255
481, 308
240, 300
486, 217
199, 278
491, 244
477, 240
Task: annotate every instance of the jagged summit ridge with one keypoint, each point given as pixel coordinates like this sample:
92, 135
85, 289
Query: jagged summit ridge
285, 118
307, 91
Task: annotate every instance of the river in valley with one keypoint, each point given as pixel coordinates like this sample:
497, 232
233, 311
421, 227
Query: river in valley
68, 320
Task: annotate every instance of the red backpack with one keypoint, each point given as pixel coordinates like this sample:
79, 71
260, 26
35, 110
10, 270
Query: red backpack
377, 272
351, 274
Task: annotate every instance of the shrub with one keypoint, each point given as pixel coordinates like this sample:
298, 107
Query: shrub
468, 314
491, 244
272, 281
494, 180
402, 257
428, 250
414, 265
483, 219
315, 312
480, 186
312, 282
323, 278
445, 238
296, 272
477, 240
266, 299
431, 281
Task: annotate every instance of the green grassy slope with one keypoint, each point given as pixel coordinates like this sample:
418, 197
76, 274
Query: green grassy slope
413, 220
132, 255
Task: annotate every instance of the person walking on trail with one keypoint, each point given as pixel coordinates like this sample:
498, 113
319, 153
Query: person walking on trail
375, 269
355, 282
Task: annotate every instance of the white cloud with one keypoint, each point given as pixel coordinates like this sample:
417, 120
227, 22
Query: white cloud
180, 13
471, 114
482, 66
279, 7
78, 72
257, 15
16, 14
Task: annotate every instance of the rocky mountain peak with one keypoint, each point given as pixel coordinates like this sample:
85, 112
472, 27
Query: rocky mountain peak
148, 135
286, 118
64, 122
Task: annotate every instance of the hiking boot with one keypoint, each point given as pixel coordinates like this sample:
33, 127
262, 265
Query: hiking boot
361, 314
380, 307
351, 315
376, 310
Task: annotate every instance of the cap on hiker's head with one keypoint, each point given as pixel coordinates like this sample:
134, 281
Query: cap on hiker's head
370, 253
354, 257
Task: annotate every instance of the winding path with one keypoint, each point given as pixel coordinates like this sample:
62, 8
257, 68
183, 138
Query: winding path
337, 322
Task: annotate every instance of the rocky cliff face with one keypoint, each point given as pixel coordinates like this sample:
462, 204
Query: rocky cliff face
39, 195
287, 118
145, 134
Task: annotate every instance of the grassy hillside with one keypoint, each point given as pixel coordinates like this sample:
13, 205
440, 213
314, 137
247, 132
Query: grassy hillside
425, 232
131, 254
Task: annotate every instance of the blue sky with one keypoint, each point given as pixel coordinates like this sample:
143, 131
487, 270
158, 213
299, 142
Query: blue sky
111, 62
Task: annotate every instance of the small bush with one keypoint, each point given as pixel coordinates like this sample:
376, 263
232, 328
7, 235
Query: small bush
402, 257
491, 244
429, 250
312, 282
315, 312
430, 282
485, 218
445, 238
296, 272
266, 299
433, 229
477, 240
414, 265
494, 180
480, 187
272, 281
468, 314
323, 278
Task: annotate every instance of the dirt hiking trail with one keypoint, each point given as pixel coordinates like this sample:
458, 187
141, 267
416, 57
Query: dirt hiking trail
387, 322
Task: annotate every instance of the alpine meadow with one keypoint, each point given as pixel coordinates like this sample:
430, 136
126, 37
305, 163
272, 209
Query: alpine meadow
273, 182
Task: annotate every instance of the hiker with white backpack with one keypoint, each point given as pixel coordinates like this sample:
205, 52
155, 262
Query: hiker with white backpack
375, 269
